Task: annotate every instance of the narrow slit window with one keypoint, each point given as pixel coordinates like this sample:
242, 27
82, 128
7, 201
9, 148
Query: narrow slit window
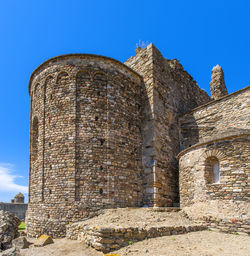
212, 170
216, 172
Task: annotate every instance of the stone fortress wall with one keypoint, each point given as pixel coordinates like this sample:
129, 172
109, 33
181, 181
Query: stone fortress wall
85, 140
107, 135
19, 209
17, 206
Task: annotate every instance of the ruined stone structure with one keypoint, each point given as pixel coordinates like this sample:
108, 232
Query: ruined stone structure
105, 134
17, 206
19, 198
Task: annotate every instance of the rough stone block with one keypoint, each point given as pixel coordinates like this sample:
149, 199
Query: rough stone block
43, 240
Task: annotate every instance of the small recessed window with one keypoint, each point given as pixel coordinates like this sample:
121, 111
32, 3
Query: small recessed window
216, 172
101, 191
212, 170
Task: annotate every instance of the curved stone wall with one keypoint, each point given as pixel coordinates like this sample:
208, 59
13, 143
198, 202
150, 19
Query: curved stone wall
227, 199
85, 141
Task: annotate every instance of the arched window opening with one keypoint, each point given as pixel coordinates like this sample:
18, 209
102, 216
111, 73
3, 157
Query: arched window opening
212, 170
34, 138
62, 78
100, 76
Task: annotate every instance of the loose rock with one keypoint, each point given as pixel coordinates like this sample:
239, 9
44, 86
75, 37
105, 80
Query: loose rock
8, 229
43, 240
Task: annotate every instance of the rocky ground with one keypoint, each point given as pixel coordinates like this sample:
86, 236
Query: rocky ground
8, 229
203, 243
138, 217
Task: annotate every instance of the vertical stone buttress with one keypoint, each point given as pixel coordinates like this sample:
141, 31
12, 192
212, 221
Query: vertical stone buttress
217, 85
170, 92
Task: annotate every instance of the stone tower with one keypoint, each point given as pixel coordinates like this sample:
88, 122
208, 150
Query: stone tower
104, 135
18, 199
217, 85
85, 140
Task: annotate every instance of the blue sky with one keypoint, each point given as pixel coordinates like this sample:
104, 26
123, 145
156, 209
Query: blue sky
200, 34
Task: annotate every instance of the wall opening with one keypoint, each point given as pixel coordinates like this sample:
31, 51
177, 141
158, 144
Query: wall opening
212, 170
101, 191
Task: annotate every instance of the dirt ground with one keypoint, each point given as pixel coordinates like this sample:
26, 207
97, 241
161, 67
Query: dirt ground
203, 243
137, 217
61, 247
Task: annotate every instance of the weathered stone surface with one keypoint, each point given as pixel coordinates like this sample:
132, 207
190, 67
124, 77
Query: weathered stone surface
217, 85
220, 118
18, 209
218, 130
170, 91
8, 229
120, 228
20, 243
85, 141
11, 252
43, 240
105, 239
104, 135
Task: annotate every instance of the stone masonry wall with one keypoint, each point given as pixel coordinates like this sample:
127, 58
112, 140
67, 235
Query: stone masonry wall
218, 130
225, 203
171, 92
18, 209
217, 118
85, 149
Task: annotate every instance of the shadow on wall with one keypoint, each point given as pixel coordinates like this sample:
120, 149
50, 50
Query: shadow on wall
189, 132
148, 150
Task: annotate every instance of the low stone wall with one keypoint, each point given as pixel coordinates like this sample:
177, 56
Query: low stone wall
232, 226
108, 239
18, 209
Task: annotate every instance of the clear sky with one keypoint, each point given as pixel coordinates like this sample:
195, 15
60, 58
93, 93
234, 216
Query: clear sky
199, 33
